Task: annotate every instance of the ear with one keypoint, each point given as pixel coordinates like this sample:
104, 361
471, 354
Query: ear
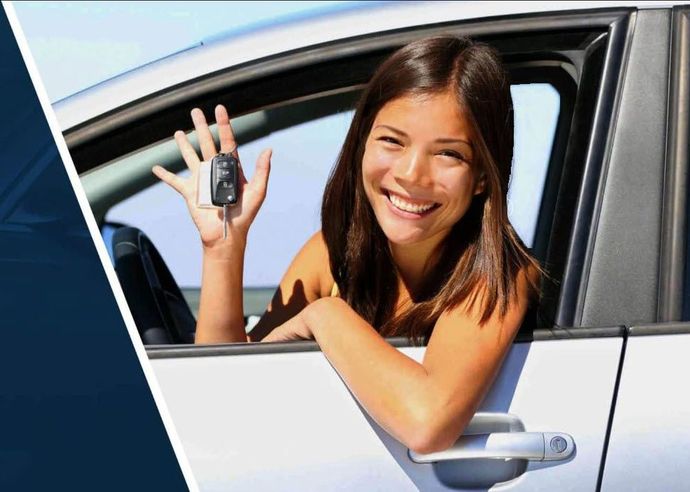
480, 187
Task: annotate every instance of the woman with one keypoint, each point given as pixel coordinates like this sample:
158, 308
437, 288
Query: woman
415, 241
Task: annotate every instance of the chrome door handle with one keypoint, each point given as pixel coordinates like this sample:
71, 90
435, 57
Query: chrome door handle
533, 446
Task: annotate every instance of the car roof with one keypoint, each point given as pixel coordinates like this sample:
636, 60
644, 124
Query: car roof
220, 52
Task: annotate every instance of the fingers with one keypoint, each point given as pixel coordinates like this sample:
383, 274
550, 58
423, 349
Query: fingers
259, 182
225, 133
206, 143
171, 179
187, 151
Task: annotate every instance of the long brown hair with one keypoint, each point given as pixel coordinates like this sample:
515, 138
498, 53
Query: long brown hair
482, 256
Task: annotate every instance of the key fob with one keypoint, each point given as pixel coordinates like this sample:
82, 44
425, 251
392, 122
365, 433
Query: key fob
224, 188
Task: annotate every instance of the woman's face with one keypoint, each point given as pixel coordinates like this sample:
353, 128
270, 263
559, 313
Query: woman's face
417, 168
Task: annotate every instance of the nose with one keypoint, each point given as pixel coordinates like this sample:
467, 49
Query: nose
412, 168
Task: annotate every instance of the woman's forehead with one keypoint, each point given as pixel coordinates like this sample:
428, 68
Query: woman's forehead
435, 115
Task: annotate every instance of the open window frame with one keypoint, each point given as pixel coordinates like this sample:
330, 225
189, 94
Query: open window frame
579, 53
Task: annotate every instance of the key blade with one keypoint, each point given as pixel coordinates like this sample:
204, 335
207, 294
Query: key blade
225, 222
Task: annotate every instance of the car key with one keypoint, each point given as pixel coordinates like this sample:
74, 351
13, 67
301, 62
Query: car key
224, 186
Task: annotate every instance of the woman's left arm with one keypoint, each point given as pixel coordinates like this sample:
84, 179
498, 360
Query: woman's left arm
425, 406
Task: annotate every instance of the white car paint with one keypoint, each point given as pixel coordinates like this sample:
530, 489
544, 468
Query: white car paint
649, 445
551, 386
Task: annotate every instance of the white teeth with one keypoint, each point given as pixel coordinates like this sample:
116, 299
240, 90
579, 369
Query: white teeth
409, 207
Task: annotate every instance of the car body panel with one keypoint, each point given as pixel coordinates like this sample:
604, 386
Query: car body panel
302, 421
648, 448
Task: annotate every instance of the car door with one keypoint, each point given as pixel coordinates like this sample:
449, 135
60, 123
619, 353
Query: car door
277, 416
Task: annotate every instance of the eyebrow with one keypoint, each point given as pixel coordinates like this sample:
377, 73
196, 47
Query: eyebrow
439, 140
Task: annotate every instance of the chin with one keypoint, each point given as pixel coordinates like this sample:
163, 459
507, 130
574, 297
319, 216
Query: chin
401, 237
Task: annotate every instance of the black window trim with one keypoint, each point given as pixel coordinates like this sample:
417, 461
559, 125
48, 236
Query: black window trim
674, 275
185, 351
589, 202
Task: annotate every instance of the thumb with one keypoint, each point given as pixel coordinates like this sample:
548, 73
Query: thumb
172, 179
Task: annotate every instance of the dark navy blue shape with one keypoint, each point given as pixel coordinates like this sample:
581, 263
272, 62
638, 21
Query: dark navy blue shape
75, 410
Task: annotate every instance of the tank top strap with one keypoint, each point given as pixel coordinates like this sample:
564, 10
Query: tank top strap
334, 290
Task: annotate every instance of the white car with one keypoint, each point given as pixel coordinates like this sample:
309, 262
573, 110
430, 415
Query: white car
592, 395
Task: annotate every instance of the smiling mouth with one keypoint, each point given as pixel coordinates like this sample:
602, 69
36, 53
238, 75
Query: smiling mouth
404, 205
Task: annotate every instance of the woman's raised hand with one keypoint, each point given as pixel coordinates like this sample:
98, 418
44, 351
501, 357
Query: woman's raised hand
209, 221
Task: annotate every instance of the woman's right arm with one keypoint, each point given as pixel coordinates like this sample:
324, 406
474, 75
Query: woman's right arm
221, 316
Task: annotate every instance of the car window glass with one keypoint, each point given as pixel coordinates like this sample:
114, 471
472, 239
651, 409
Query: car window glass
302, 159
536, 108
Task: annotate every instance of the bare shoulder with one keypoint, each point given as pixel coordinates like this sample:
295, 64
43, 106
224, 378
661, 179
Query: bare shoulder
309, 270
460, 326
307, 279
313, 258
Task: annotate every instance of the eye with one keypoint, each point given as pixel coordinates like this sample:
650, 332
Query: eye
454, 154
390, 140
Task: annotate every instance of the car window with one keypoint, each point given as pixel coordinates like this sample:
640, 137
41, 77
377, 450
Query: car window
302, 159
